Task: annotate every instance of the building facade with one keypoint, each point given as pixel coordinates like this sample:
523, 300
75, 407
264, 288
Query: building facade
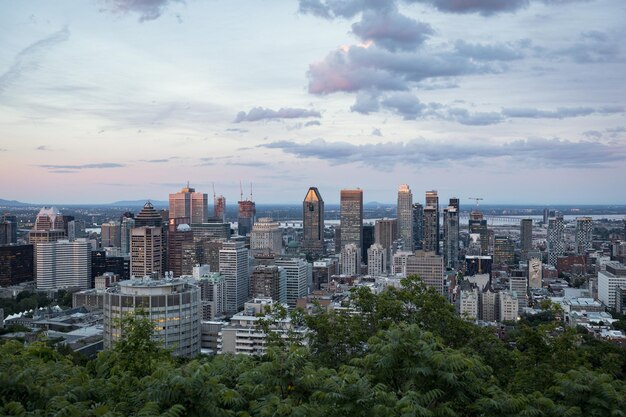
146, 252
234, 265
63, 264
189, 204
405, 216
351, 218
313, 223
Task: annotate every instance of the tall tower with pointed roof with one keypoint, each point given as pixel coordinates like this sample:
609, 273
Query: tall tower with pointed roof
313, 222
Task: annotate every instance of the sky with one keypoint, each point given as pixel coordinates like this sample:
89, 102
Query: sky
513, 101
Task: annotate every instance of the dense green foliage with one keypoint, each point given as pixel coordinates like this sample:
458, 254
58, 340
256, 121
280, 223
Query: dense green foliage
407, 354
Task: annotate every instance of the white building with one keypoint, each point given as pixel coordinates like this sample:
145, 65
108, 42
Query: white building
298, 272
376, 259
519, 287
608, 281
508, 306
63, 264
172, 305
266, 234
468, 304
350, 259
398, 266
234, 267
212, 294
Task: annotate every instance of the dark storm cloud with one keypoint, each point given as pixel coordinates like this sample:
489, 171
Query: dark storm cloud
28, 58
85, 166
260, 113
553, 152
392, 31
146, 9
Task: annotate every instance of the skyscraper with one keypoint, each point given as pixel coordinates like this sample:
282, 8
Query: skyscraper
526, 235
386, 232
376, 260
8, 229
313, 222
63, 264
16, 264
181, 247
110, 234
246, 218
478, 225
266, 235
451, 237
350, 259
503, 253
126, 227
418, 226
584, 229
351, 217
297, 271
369, 237
405, 216
219, 208
146, 252
556, 243
234, 266
189, 203
431, 224
269, 281
148, 216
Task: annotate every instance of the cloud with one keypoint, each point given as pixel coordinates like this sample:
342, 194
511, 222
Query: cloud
155, 161
484, 7
42, 148
486, 52
561, 112
3, 150
28, 58
237, 130
330, 9
464, 117
102, 165
591, 46
313, 123
553, 152
392, 31
260, 113
404, 103
376, 132
147, 9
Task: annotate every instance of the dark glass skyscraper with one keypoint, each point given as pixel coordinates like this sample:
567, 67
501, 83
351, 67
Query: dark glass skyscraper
247, 215
313, 222
526, 235
418, 226
431, 222
351, 217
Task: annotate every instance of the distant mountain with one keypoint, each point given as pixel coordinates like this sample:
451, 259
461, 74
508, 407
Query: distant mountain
14, 203
138, 203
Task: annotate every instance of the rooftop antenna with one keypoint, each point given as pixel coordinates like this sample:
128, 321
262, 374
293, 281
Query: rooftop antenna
477, 199
240, 191
187, 183
250, 191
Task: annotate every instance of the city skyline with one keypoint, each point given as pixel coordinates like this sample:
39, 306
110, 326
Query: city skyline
517, 102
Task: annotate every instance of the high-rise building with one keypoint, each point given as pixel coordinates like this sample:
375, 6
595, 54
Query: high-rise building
212, 294
584, 229
173, 306
431, 222
385, 233
526, 235
219, 208
350, 260
469, 303
556, 240
323, 270
519, 287
190, 204
609, 281
126, 228
234, 265
269, 281
418, 226
247, 216
351, 218
405, 216
64, 264
369, 238
16, 264
313, 222
146, 251
50, 226
8, 229
376, 260
451, 237
110, 234
509, 306
266, 235
298, 271
503, 251
478, 225
148, 216
488, 304
181, 250
428, 266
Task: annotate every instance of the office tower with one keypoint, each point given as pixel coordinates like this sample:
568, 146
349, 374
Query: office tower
428, 266
247, 216
119, 265
313, 223
503, 251
63, 264
110, 234
181, 249
609, 281
173, 306
555, 240
297, 271
398, 263
456, 203
148, 216
584, 229
50, 218
519, 287
213, 229
478, 264
219, 208
469, 303
337, 239
418, 226
526, 235
146, 251
369, 238
266, 235
322, 271
234, 266
376, 260
478, 225
431, 229
351, 218
16, 264
8, 229
212, 294
350, 260
98, 263
451, 237
535, 273
488, 304
269, 281
405, 216
509, 306
190, 204
546, 216
126, 227
386, 232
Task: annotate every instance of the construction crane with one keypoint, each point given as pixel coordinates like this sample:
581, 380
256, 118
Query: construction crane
477, 199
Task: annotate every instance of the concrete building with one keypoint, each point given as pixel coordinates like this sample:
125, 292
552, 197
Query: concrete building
351, 218
429, 267
313, 223
509, 307
488, 305
63, 264
298, 272
609, 281
451, 237
234, 265
469, 304
269, 281
526, 235
212, 295
323, 269
503, 251
350, 260
584, 229
478, 225
556, 239
219, 208
376, 260
431, 222
146, 252
385, 234
189, 204
246, 217
519, 287
172, 305
110, 234
405, 216
266, 235
16, 264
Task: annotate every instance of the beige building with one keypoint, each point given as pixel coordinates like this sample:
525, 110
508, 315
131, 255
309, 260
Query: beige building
266, 234
190, 204
146, 252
